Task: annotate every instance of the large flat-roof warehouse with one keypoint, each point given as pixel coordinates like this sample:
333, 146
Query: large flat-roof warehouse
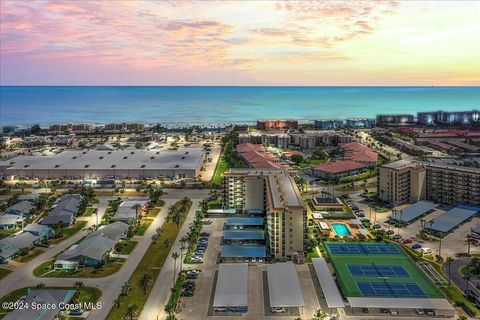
173, 164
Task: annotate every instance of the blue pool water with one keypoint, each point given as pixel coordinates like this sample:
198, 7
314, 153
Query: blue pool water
340, 229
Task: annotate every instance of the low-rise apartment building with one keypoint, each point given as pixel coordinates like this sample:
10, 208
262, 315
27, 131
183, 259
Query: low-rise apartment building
124, 127
70, 127
410, 181
275, 193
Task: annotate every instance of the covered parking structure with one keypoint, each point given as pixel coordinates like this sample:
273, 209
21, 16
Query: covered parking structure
241, 252
237, 221
283, 286
329, 287
452, 219
244, 235
414, 212
438, 307
231, 291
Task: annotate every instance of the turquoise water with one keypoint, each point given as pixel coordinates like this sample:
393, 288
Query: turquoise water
340, 229
220, 105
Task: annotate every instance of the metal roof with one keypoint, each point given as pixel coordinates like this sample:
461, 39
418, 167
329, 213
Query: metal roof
329, 288
243, 251
283, 285
244, 221
400, 303
232, 285
452, 218
244, 235
414, 211
182, 158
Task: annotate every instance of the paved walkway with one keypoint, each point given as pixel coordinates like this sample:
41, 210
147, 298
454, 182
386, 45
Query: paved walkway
154, 307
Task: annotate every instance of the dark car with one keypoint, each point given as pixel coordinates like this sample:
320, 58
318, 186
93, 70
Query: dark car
389, 232
192, 276
377, 226
416, 246
186, 293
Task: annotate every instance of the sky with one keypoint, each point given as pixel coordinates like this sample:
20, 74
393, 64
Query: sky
241, 43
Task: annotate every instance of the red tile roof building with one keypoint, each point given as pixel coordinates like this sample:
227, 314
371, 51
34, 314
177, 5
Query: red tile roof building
356, 151
257, 156
338, 169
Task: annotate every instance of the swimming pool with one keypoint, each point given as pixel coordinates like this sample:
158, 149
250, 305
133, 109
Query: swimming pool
340, 229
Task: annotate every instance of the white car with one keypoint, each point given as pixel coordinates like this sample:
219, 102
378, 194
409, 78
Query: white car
426, 250
278, 310
221, 309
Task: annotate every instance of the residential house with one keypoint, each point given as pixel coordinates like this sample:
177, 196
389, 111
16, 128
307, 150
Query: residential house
22, 208
42, 231
64, 212
10, 221
39, 298
126, 210
11, 246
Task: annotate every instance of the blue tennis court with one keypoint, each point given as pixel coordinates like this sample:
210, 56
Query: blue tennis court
390, 289
354, 248
373, 270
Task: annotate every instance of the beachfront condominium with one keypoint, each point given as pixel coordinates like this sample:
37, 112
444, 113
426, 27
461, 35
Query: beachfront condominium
277, 125
275, 194
448, 117
406, 181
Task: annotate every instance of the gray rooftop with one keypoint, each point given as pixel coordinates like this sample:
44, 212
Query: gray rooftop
329, 288
452, 218
414, 211
22, 206
40, 297
113, 231
35, 227
283, 285
94, 248
232, 285
182, 158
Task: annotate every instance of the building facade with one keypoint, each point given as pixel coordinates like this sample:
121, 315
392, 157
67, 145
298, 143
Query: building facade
274, 193
277, 125
447, 117
71, 127
405, 181
394, 119
125, 127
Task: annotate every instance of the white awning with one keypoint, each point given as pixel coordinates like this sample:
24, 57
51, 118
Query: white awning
364, 232
329, 288
283, 286
232, 285
356, 221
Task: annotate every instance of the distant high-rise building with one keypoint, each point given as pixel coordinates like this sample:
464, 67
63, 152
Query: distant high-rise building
447, 117
329, 123
277, 124
394, 119
360, 123
125, 127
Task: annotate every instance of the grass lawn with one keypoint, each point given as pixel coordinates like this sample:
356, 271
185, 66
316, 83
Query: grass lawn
222, 166
177, 290
4, 273
85, 294
128, 246
311, 255
31, 254
70, 231
6, 233
151, 263
215, 204
142, 228
88, 212
88, 272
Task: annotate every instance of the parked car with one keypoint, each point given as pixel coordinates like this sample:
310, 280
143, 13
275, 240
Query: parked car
377, 226
416, 246
360, 214
191, 276
407, 241
397, 237
278, 310
196, 259
221, 309
205, 234
390, 232
426, 250
186, 293
193, 271
207, 222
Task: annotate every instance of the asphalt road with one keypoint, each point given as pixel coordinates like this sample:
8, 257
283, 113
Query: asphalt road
456, 275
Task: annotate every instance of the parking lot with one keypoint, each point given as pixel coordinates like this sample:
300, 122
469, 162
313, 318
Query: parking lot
200, 305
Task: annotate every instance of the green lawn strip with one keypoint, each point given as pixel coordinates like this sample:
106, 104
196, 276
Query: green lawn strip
151, 263
85, 294
311, 255
221, 167
4, 273
44, 270
175, 296
30, 255
70, 231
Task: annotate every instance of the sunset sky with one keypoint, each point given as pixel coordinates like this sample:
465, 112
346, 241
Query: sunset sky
240, 43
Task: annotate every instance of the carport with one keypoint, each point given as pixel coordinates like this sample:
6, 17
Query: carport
284, 287
231, 290
329, 287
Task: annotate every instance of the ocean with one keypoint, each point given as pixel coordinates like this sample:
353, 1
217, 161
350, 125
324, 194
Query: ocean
221, 105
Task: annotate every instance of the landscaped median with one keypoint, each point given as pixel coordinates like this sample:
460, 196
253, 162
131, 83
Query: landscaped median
150, 266
85, 294
4, 273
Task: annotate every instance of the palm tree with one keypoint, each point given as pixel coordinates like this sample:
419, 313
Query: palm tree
155, 238
166, 242
319, 315
449, 262
145, 282
430, 223
137, 208
126, 287
175, 256
131, 312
